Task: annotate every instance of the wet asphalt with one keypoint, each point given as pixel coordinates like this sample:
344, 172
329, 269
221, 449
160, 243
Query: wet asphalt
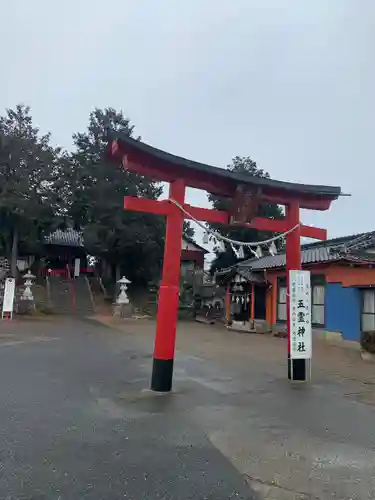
77, 421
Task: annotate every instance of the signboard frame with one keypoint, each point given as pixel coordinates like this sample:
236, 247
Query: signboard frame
300, 315
8, 299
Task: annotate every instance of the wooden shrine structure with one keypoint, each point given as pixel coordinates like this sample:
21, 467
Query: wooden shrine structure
247, 192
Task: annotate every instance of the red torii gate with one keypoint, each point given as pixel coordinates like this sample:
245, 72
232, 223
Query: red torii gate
247, 192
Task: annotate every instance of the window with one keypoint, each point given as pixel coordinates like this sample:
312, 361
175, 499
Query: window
281, 301
317, 304
317, 300
368, 310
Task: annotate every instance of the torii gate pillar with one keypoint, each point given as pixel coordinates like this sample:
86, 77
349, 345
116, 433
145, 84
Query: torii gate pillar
166, 324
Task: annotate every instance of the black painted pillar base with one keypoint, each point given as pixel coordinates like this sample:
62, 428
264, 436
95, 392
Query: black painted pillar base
162, 374
297, 369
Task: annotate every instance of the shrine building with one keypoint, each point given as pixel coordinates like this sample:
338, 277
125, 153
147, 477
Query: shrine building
64, 249
342, 286
192, 256
61, 250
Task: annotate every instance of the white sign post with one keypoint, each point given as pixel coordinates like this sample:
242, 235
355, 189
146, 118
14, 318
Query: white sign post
300, 316
10, 285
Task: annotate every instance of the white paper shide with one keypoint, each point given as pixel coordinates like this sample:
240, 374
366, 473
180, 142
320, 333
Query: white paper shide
300, 315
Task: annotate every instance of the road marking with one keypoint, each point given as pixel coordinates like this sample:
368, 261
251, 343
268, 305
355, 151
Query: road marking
14, 342
28, 341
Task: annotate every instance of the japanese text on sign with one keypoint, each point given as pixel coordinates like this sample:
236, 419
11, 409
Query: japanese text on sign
300, 314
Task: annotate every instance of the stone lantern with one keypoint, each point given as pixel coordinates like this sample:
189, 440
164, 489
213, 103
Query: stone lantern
25, 303
123, 307
27, 293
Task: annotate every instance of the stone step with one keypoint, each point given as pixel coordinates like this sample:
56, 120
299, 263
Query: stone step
61, 296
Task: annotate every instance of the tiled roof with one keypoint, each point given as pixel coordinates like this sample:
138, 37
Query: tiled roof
193, 242
308, 256
68, 238
246, 272
324, 251
336, 241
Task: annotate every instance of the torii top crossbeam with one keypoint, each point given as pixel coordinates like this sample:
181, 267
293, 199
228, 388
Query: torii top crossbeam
245, 191
163, 166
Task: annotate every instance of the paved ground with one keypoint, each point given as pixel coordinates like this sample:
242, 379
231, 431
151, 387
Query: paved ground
77, 423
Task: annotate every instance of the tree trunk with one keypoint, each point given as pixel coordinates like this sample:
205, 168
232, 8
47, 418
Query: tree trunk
13, 258
106, 271
118, 272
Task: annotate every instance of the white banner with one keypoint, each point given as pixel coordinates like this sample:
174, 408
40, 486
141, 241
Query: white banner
300, 315
77, 267
9, 295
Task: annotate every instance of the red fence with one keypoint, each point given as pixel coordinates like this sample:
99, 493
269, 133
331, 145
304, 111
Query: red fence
64, 273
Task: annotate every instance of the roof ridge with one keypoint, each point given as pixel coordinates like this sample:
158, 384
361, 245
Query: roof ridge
317, 244
343, 239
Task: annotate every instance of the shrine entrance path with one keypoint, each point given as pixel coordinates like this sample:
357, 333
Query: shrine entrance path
313, 441
77, 422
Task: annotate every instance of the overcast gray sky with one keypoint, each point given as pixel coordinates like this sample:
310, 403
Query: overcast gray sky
289, 82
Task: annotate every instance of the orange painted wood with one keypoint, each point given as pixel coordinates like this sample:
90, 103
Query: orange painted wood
268, 306
163, 207
252, 315
207, 214
227, 304
316, 233
159, 207
308, 202
155, 169
274, 301
131, 164
166, 320
350, 276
